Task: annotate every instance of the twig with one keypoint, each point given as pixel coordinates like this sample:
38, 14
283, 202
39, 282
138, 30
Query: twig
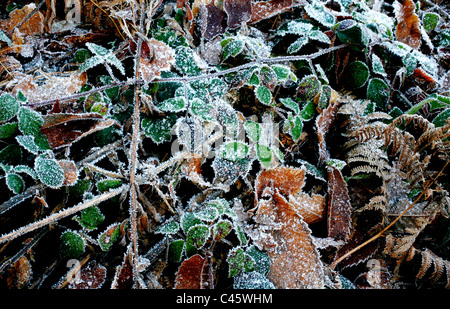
60, 215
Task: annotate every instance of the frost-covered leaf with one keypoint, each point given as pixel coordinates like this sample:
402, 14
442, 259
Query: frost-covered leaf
174, 105
188, 220
308, 111
202, 109
108, 184
30, 121
49, 172
263, 95
297, 45
90, 218
291, 104
159, 130
294, 125
221, 229
192, 273
252, 280
358, 74
171, 227
11, 155
316, 10
234, 151
162, 60
15, 183
26, 170
27, 142
8, 130
442, 118
408, 24
378, 91
430, 20
91, 276
72, 245
238, 11
102, 55
207, 213
238, 261
176, 250
253, 130
5, 38
264, 154
107, 238
9, 106
309, 87
232, 48
185, 61
377, 65
213, 21
198, 235
353, 33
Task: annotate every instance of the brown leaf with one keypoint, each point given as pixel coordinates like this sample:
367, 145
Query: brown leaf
162, 57
287, 180
310, 208
266, 9
213, 21
192, 170
19, 274
238, 11
92, 276
323, 124
70, 172
64, 129
339, 207
408, 24
191, 273
123, 278
295, 261
34, 25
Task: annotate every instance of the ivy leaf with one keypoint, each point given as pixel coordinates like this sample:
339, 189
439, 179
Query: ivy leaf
49, 172
159, 130
9, 106
263, 95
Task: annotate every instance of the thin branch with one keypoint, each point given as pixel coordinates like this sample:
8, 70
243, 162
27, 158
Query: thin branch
60, 215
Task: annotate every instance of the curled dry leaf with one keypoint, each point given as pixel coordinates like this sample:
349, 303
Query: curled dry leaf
213, 21
162, 57
64, 129
192, 273
192, 170
339, 207
92, 276
282, 233
408, 24
123, 279
238, 11
70, 172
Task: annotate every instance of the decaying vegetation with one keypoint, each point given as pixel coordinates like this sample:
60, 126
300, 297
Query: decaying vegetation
224, 144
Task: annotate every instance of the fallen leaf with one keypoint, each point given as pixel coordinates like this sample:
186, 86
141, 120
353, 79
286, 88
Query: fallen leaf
339, 207
92, 276
70, 172
19, 274
192, 170
282, 233
408, 24
238, 11
213, 21
323, 124
34, 25
162, 57
64, 129
266, 9
123, 278
192, 273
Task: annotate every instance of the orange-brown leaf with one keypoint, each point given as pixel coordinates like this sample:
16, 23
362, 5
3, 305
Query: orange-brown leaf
408, 24
287, 180
19, 274
282, 233
266, 9
339, 207
70, 172
162, 57
192, 273
34, 25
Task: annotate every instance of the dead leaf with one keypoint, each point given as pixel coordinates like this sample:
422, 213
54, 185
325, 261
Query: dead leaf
19, 274
408, 24
54, 87
33, 26
238, 11
70, 172
324, 122
192, 273
192, 170
266, 9
92, 276
282, 233
213, 21
161, 60
64, 129
339, 207
197, 4
123, 278
310, 208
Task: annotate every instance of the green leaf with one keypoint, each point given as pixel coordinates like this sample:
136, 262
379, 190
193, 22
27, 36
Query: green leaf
221, 229
207, 214
30, 121
378, 92
238, 261
5, 38
202, 109
261, 258
8, 130
316, 11
233, 48
108, 184
357, 74
11, 154
296, 130
9, 107
295, 27
159, 129
176, 249
263, 95
174, 105
27, 170
234, 151
90, 218
108, 237
319, 36
72, 245
27, 141
291, 104
188, 220
197, 235
253, 130
309, 87
430, 21
264, 154
377, 65
308, 111
49, 172
297, 45
442, 118
169, 228
351, 32
282, 72
185, 61
15, 183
